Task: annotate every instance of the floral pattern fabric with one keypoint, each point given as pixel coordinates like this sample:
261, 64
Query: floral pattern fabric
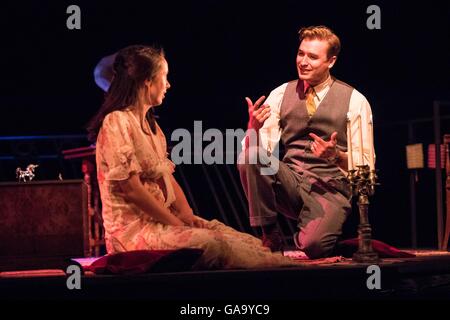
123, 148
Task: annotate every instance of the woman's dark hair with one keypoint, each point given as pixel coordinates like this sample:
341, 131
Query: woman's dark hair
132, 66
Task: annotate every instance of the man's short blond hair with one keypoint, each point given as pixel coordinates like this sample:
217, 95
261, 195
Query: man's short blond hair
322, 33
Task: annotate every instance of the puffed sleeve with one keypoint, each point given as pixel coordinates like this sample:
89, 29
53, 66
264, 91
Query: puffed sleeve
115, 143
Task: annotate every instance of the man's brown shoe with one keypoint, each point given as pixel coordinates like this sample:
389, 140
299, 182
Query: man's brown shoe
273, 241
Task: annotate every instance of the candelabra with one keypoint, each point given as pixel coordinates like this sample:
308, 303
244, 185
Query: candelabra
362, 182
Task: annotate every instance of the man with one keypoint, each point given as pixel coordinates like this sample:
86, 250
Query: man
309, 116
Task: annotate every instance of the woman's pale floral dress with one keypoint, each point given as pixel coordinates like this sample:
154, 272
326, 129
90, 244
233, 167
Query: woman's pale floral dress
122, 148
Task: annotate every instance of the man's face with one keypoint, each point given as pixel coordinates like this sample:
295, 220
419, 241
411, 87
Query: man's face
313, 64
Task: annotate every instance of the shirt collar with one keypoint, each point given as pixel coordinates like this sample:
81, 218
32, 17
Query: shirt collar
320, 87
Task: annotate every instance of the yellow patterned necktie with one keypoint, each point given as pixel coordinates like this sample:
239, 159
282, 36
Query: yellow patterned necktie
310, 104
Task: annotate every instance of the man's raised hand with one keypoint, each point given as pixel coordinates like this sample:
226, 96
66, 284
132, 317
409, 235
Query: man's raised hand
257, 115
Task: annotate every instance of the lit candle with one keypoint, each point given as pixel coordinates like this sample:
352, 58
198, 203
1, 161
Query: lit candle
349, 143
372, 146
361, 149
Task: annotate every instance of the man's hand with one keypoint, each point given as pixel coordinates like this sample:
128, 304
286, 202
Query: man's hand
257, 115
322, 148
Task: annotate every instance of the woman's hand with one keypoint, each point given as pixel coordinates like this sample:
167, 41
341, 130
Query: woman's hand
177, 222
186, 215
199, 222
188, 218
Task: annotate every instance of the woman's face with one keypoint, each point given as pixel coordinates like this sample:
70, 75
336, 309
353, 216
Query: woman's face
158, 86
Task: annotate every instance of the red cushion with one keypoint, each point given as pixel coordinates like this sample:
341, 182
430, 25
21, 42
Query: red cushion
350, 246
144, 261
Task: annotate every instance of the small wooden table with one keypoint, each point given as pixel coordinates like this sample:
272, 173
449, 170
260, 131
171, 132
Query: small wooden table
88, 167
444, 245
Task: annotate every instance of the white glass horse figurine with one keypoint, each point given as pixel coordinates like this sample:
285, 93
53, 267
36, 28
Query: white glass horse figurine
28, 173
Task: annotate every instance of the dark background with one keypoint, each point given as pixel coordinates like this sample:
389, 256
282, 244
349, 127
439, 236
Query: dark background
221, 51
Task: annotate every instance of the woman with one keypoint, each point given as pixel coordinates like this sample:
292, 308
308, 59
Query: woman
143, 206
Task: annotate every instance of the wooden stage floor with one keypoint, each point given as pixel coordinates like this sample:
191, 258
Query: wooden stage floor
427, 276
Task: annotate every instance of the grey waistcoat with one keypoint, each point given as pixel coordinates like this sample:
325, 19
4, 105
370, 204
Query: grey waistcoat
296, 125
